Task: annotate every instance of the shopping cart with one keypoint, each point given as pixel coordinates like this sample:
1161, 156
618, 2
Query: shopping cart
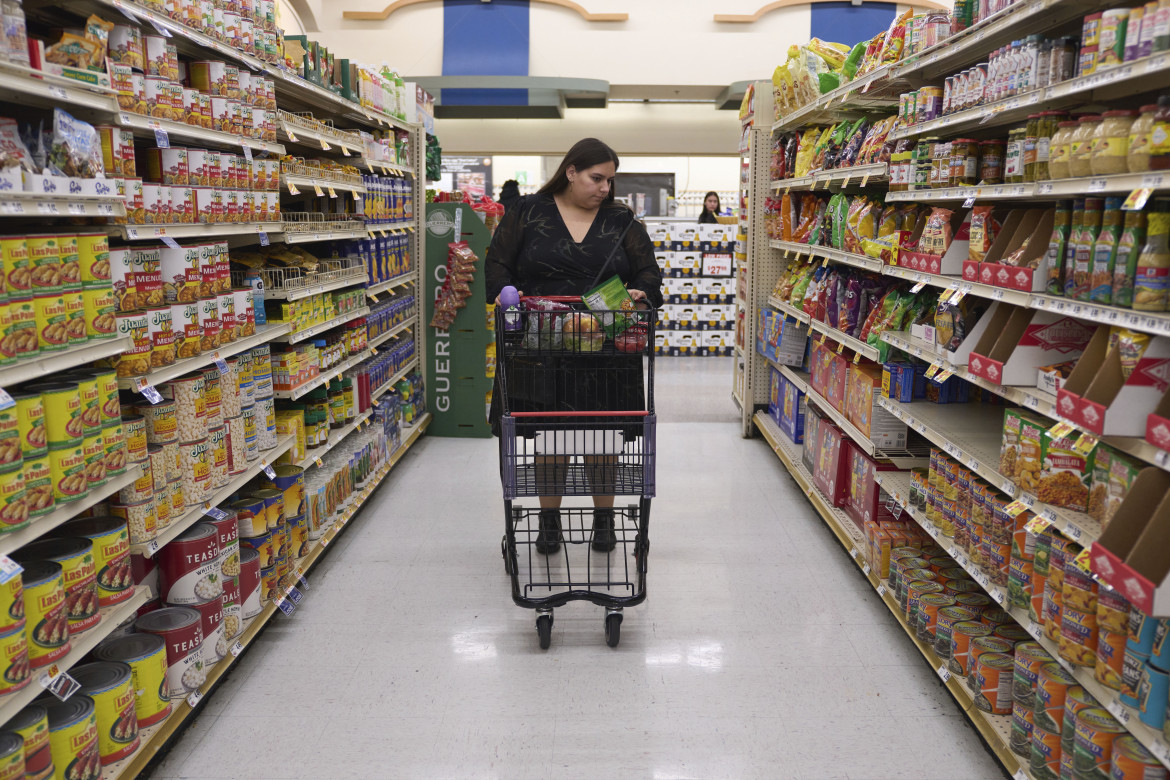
576, 419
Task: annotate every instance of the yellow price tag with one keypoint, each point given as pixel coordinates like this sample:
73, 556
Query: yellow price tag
292, 188
1060, 430
787, 253
1016, 508
846, 182
865, 180
318, 461
1037, 525
288, 131
324, 146
856, 358
1137, 199
1082, 560
1085, 444
317, 189
840, 348
332, 193
786, 189
943, 375
934, 369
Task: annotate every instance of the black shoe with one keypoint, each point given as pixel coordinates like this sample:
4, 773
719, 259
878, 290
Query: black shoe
604, 539
548, 538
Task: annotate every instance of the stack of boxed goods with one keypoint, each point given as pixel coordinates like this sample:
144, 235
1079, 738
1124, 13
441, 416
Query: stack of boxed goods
698, 288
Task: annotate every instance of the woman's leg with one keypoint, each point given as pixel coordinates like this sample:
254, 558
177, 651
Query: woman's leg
602, 471
550, 475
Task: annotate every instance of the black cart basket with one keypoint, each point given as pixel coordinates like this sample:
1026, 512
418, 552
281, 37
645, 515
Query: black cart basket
576, 403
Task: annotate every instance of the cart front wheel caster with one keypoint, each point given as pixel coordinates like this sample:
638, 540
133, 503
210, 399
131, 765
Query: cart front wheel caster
613, 628
544, 630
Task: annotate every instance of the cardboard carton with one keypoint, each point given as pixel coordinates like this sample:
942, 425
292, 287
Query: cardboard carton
951, 261
863, 386
1016, 342
831, 476
1130, 554
793, 411
1099, 398
1028, 238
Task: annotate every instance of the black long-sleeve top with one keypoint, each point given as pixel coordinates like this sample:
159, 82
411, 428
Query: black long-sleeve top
533, 251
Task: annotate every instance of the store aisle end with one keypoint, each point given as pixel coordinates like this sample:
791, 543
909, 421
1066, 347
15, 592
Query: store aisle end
759, 653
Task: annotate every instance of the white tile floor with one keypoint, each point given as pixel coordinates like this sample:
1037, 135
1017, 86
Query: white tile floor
760, 652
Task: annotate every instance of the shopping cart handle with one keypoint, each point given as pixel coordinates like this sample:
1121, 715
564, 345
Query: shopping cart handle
554, 298
581, 414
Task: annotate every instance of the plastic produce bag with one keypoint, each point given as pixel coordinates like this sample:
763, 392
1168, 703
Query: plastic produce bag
545, 320
76, 149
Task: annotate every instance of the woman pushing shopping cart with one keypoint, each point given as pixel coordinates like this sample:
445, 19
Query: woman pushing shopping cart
574, 398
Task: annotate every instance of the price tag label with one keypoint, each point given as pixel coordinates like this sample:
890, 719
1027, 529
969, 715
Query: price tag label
75, 208
163, 31
943, 375
317, 189
247, 152
1044, 188
59, 683
1137, 199
1016, 508
286, 606
324, 146
161, 139
1072, 532
264, 241
221, 364
172, 243
151, 394
881, 589
969, 202
267, 469
295, 595
1032, 402
237, 648
1097, 185
288, 131
865, 568
944, 673
1037, 525
194, 698
12, 207
864, 180
1162, 459
1082, 561
332, 193
1085, 444
151, 547
6, 400
1020, 775
852, 552
292, 188
48, 208
857, 358
319, 462
1060, 430
214, 512
1160, 749
934, 369
8, 568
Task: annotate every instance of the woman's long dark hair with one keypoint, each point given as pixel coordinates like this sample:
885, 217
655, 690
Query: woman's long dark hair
585, 154
718, 205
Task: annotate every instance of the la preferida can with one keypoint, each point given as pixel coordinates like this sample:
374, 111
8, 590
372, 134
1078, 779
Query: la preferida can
189, 566
111, 553
111, 686
251, 598
146, 655
32, 724
75, 554
73, 736
182, 630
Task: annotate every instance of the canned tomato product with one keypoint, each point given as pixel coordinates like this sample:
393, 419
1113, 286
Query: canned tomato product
46, 626
1044, 754
67, 467
962, 634
181, 629
1131, 761
111, 686
181, 273
111, 554
76, 556
189, 566
1020, 741
1110, 659
214, 638
135, 435
146, 655
1029, 657
250, 584
14, 660
185, 321
1094, 734
162, 422
994, 675
32, 724
196, 471
218, 456
99, 306
38, 486
273, 506
73, 736
135, 359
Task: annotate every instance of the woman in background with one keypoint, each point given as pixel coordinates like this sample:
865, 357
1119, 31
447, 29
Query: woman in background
711, 208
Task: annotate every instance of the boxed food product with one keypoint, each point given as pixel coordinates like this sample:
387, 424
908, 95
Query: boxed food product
863, 386
1064, 473
1052, 377
792, 411
1123, 471
1099, 481
831, 475
898, 381
827, 374
863, 495
813, 420
775, 392
1009, 448
1030, 461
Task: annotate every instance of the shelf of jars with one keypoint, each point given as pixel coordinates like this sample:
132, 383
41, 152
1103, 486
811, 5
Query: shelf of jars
181, 366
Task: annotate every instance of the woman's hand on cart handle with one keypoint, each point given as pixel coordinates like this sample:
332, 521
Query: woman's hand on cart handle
639, 297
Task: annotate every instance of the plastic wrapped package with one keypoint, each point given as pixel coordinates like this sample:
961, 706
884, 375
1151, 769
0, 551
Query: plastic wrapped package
984, 229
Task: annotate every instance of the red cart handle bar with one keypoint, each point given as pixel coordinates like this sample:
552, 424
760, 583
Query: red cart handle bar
581, 414
555, 298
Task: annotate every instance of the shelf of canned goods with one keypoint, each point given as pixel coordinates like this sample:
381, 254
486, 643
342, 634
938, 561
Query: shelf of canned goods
300, 334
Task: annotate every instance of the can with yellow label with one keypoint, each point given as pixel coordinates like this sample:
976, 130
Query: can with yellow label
146, 655
110, 685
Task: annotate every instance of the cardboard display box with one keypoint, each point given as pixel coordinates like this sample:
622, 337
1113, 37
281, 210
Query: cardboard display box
1099, 398
1131, 552
831, 477
1016, 342
962, 355
951, 261
1026, 231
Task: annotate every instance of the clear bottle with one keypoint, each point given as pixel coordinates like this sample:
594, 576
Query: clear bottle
15, 32
1152, 281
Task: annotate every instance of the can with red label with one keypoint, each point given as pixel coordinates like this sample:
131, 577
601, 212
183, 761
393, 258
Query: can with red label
182, 630
214, 638
189, 566
251, 597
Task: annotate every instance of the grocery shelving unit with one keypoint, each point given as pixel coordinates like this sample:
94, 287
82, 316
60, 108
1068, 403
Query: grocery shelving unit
378, 341
398, 376
970, 435
324, 377
157, 737
300, 100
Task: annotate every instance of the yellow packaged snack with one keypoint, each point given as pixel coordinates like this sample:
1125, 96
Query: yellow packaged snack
1132, 346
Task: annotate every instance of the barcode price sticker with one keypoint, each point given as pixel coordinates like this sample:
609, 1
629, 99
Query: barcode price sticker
1020, 775
324, 146
151, 547
286, 606
943, 375
170, 242
1037, 525
48, 208
1098, 185
865, 568
944, 673
295, 595
1032, 402
934, 369
214, 512
76, 208
852, 552
221, 364
319, 462
247, 151
59, 683
237, 648
865, 180
6, 401
194, 698
268, 470
969, 202
151, 394
8, 568
332, 193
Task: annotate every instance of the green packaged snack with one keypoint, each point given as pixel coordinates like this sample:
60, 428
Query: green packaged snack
607, 300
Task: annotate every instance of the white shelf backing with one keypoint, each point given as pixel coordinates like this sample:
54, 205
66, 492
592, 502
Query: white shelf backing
263, 335
297, 336
197, 230
971, 434
324, 377
32, 204
194, 514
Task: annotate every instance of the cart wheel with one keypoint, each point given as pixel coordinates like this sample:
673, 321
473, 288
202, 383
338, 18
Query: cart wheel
504, 554
544, 630
613, 628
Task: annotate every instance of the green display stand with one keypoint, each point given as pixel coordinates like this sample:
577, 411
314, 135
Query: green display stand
457, 384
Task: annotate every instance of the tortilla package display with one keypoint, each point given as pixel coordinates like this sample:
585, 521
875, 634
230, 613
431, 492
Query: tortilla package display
984, 229
456, 289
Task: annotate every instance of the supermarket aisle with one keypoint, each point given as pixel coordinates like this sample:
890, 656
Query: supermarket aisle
760, 653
